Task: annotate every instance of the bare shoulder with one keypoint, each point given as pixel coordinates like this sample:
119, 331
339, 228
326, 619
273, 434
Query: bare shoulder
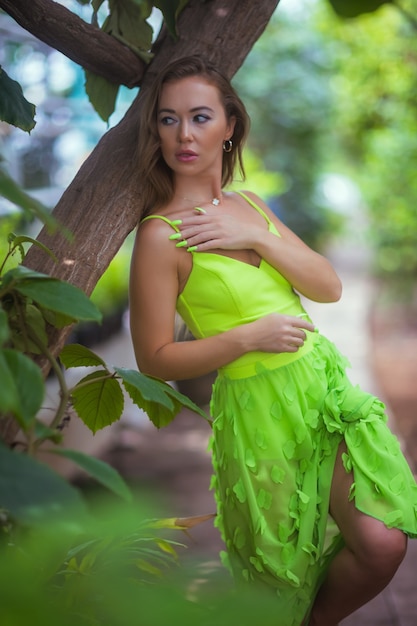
154, 257
152, 236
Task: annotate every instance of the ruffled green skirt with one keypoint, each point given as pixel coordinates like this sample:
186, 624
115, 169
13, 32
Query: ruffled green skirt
275, 440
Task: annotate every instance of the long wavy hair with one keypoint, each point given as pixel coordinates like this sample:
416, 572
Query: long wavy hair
156, 178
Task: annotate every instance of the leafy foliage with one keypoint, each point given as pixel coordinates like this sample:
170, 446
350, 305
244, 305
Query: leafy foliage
28, 302
99, 567
127, 22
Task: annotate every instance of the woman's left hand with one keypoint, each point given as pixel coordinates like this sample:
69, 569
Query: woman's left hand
210, 231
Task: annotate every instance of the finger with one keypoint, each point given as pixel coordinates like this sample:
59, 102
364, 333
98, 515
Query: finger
299, 322
299, 335
291, 348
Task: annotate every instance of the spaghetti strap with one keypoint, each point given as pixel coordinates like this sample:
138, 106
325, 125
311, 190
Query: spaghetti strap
163, 218
254, 205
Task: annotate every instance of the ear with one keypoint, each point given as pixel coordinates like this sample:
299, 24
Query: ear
230, 127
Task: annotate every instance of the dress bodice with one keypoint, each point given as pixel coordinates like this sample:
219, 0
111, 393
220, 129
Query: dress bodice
222, 292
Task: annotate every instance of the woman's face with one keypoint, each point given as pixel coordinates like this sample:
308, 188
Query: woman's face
192, 126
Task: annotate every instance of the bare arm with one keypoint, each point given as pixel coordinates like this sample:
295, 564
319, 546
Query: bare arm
310, 273
154, 288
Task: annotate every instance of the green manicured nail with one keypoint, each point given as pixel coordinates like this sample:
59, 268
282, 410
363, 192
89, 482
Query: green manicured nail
192, 248
176, 222
181, 244
198, 208
175, 236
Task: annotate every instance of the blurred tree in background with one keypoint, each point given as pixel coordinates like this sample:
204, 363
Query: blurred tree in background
374, 125
285, 84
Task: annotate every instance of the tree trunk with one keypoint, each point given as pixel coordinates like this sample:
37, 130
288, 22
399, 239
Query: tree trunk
100, 206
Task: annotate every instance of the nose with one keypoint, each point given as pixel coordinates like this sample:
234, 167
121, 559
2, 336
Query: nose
184, 131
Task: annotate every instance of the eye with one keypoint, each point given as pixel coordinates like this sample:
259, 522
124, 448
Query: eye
166, 120
201, 118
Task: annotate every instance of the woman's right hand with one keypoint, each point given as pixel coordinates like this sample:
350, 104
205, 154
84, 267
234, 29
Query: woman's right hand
278, 333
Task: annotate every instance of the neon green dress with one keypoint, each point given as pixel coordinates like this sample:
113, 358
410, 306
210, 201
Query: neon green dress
278, 422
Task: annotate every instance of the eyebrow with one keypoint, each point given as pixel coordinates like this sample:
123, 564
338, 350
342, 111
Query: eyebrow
193, 110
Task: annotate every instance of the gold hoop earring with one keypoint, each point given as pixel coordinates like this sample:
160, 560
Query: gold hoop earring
227, 145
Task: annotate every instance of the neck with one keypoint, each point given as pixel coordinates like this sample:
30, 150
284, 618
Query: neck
198, 195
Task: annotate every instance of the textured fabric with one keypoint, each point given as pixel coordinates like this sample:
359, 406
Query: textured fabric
278, 423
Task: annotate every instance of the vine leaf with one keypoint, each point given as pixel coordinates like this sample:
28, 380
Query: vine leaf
100, 402
158, 399
101, 93
76, 355
127, 23
14, 108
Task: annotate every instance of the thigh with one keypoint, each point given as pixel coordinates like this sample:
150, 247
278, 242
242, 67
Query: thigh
366, 536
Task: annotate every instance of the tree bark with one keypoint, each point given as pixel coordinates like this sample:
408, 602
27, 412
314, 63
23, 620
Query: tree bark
81, 42
100, 206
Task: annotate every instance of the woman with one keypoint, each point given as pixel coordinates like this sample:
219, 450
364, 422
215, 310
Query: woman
295, 446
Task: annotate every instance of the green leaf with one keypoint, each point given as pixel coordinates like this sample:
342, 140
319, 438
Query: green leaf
353, 8
14, 108
4, 327
33, 493
101, 93
170, 10
100, 403
19, 273
17, 240
127, 23
10, 190
96, 4
75, 355
102, 472
22, 387
9, 398
158, 399
36, 323
59, 296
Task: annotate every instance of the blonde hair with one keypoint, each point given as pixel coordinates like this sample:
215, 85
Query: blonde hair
156, 178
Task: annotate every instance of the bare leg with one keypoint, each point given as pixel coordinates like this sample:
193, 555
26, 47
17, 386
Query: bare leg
362, 569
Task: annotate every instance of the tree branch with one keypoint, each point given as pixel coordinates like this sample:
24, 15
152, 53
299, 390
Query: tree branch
81, 42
